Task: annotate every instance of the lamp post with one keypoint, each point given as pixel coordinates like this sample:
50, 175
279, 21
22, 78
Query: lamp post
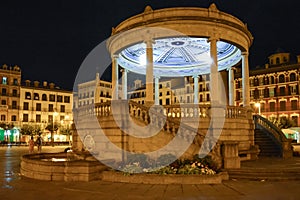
257, 105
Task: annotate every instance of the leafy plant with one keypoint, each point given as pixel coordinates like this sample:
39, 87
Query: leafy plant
197, 165
165, 159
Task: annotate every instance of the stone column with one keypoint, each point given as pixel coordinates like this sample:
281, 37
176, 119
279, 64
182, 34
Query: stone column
214, 82
231, 86
115, 77
196, 89
245, 76
124, 83
156, 90
149, 71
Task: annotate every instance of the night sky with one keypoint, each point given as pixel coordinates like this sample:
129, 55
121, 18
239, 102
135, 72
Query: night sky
50, 39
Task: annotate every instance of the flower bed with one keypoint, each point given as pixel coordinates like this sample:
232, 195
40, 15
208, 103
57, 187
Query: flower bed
166, 170
143, 178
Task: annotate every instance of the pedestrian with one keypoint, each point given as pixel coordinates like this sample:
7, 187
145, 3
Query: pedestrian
31, 144
39, 143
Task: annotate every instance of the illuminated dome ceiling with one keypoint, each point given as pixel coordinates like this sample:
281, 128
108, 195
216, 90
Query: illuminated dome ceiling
179, 56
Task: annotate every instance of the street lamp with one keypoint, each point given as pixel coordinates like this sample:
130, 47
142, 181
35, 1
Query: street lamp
257, 105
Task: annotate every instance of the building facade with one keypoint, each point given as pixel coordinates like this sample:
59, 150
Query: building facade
274, 89
30, 103
45, 104
10, 78
94, 91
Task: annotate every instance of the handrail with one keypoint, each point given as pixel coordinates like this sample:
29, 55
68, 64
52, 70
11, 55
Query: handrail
261, 122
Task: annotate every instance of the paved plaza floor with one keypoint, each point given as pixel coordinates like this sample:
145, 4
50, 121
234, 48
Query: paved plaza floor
14, 186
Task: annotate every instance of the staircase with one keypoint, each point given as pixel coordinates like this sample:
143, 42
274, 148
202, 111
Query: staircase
270, 139
267, 146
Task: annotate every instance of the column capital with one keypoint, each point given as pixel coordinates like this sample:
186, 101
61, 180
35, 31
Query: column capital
149, 41
195, 76
245, 53
156, 77
115, 56
211, 38
231, 68
124, 70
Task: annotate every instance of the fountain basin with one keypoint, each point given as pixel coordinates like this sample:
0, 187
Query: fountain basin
60, 167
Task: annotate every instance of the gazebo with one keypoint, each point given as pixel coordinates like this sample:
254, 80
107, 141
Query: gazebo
178, 42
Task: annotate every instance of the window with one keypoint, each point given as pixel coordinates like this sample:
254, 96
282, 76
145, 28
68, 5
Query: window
272, 80
200, 98
27, 95
295, 119
3, 117
266, 80
292, 77
167, 101
38, 118
282, 91
262, 107
15, 81
4, 80
44, 97
62, 118
38, 107
266, 93
59, 98
13, 118
3, 102
36, 96
15, 93
256, 83
207, 97
256, 93
25, 117
271, 92
4, 91
62, 108
26, 106
168, 92
50, 108
14, 105
272, 106
281, 78
277, 60
52, 97
294, 105
188, 99
50, 118
282, 105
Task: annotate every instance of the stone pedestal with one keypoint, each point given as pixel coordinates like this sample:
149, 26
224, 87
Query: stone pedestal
230, 155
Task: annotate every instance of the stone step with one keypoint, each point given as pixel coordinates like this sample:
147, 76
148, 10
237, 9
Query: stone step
265, 173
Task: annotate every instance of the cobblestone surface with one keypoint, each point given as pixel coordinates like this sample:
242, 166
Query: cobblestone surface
13, 186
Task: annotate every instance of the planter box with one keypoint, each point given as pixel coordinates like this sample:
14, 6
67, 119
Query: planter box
164, 179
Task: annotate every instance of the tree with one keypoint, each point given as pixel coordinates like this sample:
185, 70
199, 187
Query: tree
27, 129
52, 128
282, 122
66, 131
